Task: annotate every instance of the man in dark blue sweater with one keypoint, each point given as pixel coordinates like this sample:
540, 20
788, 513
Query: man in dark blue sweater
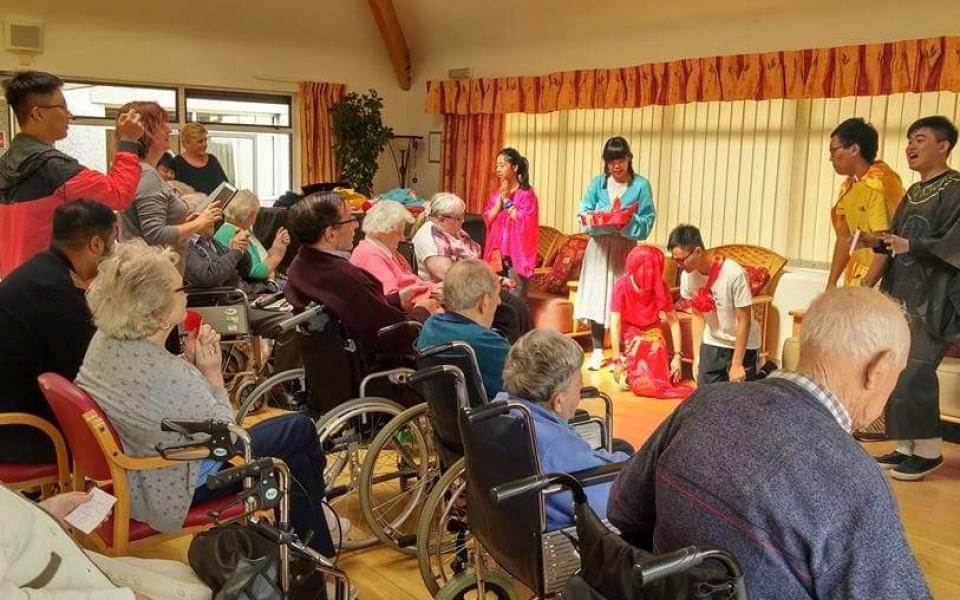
471, 294
769, 472
45, 324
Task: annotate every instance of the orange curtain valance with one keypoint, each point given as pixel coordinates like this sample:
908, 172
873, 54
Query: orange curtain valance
926, 65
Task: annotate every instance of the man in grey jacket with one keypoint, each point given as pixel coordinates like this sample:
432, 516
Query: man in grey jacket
769, 472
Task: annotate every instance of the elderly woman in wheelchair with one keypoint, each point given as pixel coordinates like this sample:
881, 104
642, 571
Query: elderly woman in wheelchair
136, 300
543, 372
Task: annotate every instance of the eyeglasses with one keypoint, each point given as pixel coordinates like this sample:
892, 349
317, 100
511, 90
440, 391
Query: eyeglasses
835, 148
683, 259
350, 220
183, 289
457, 219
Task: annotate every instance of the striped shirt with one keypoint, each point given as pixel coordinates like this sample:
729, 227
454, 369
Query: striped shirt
822, 394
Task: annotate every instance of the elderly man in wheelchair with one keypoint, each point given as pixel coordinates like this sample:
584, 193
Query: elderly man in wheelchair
542, 372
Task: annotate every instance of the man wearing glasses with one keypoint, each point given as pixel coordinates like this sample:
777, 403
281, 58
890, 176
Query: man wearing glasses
868, 198
726, 339
36, 178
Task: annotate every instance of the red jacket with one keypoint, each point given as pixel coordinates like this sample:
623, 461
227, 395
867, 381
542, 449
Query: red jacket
36, 178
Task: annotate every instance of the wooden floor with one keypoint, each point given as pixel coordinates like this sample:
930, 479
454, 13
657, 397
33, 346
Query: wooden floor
929, 510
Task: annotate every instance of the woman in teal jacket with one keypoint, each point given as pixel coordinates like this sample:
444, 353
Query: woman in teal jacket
605, 258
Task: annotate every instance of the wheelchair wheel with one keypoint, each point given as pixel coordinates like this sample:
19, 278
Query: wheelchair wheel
346, 433
286, 391
398, 472
497, 585
445, 548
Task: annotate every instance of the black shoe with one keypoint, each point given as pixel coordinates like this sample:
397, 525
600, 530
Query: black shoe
870, 436
889, 461
915, 468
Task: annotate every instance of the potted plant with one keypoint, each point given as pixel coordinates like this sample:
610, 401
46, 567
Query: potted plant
360, 138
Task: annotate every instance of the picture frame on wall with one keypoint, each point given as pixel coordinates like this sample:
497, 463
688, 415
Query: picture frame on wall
434, 146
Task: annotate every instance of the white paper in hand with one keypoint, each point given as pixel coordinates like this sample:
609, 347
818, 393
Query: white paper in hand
854, 242
91, 513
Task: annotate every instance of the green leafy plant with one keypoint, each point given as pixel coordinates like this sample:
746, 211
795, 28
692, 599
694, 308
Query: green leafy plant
360, 138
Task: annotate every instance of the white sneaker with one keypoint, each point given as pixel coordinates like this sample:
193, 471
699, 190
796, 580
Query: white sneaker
339, 526
596, 361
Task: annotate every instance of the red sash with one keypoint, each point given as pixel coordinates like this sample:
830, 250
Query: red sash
703, 301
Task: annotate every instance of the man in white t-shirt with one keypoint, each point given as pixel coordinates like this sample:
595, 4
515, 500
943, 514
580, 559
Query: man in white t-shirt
726, 339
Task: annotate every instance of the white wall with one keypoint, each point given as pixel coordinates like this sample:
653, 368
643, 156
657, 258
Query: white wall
90, 50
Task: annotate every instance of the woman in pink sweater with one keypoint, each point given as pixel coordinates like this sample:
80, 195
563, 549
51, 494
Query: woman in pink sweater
512, 219
383, 228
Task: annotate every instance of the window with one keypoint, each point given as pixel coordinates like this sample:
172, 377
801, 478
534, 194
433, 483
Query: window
231, 108
250, 133
746, 172
94, 100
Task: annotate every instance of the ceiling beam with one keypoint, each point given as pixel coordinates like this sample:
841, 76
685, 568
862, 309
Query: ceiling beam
389, 25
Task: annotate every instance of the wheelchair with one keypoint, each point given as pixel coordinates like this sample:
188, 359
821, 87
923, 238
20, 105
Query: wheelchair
339, 387
229, 312
419, 454
265, 487
516, 558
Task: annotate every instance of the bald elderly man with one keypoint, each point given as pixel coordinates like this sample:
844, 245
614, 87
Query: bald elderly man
769, 472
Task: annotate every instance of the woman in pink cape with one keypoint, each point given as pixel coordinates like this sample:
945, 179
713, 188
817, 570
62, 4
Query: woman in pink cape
512, 220
640, 296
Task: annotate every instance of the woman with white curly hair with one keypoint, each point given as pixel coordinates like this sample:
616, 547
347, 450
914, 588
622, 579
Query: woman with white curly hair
384, 226
136, 300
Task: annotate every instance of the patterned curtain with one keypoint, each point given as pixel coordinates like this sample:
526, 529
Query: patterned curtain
316, 132
927, 65
470, 144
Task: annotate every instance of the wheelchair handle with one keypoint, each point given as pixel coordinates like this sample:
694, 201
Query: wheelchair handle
683, 559
266, 300
390, 329
537, 483
424, 374
308, 313
237, 474
487, 411
589, 392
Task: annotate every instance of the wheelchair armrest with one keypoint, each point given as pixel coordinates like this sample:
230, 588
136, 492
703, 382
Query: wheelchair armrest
391, 329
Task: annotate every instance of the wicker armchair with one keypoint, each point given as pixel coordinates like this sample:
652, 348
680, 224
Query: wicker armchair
547, 245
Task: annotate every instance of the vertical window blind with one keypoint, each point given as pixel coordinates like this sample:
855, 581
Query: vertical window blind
755, 172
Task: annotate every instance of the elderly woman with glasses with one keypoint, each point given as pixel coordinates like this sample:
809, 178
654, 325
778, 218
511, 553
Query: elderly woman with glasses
442, 241
137, 298
543, 372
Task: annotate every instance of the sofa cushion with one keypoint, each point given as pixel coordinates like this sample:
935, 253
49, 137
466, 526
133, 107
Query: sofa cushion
759, 278
566, 267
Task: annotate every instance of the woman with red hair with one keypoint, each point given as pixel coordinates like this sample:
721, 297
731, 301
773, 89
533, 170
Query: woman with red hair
158, 215
640, 296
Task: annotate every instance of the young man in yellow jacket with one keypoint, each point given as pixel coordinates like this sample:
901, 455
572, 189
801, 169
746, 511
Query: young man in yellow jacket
866, 203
